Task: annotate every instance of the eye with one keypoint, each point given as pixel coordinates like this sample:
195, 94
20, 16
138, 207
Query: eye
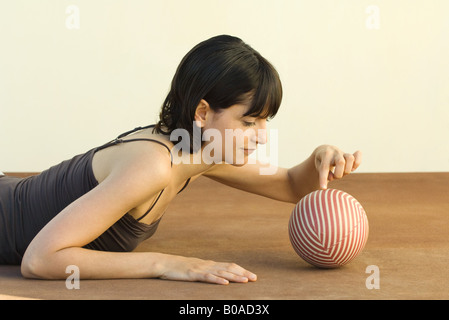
249, 124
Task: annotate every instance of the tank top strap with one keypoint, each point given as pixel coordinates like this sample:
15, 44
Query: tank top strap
152, 206
160, 194
120, 140
185, 185
135, 130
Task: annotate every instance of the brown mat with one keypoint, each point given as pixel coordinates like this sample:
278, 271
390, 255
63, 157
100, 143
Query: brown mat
408, 242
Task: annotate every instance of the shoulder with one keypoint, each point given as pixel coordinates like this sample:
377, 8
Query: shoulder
140, 169
147, 161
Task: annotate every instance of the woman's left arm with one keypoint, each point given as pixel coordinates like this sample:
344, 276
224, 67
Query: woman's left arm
325, 164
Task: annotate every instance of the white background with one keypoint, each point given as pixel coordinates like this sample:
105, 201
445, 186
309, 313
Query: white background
351, 77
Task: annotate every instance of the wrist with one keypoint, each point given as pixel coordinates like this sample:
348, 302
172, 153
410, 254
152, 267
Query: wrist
303, 178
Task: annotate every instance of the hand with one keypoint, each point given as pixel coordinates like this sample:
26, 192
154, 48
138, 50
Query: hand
331, 163
193, 269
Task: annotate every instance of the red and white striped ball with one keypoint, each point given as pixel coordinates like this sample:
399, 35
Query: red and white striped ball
328, 228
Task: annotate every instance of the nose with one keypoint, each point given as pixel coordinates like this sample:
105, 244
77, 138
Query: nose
261, 133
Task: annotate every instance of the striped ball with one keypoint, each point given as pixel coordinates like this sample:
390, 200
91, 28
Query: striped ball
328, 228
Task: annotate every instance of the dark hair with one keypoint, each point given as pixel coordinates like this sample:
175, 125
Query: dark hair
224, 71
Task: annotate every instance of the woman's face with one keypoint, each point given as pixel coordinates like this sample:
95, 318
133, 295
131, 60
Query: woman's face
230, 136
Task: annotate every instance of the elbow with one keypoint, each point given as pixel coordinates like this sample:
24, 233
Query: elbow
29, 268
33, 267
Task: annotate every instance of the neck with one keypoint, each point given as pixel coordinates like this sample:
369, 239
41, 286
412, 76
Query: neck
192, 164
189, 164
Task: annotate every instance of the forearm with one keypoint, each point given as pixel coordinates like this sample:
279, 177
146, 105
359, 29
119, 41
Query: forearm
134, 265
95, 264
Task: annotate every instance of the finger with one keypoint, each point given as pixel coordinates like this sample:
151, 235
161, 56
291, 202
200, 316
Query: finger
324, 175
349, 163
212, 278
339, 166
231, 276
251, 276
239, 271
357, 160
324, 170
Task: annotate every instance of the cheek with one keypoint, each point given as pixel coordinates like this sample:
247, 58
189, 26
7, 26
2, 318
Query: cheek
232, 150
242, 138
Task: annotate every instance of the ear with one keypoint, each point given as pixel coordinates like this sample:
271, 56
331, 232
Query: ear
202, 112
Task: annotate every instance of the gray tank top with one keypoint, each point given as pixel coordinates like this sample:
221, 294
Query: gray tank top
28, 204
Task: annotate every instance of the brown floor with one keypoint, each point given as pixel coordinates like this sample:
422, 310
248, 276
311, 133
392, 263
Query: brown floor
409, 225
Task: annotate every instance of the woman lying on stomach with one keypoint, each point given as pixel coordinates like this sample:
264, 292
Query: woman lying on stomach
94, 209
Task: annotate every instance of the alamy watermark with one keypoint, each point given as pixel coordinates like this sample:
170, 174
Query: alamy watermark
373, 280
372, 22
234, 147
72, 20
73, 280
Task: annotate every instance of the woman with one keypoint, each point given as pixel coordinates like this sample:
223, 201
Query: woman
92, 210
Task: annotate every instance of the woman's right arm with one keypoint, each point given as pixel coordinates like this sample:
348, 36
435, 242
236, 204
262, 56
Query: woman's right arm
133, 181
